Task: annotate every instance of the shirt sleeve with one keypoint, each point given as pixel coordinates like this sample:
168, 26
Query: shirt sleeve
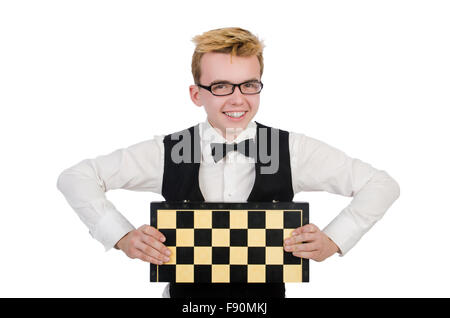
317, 166
139, 167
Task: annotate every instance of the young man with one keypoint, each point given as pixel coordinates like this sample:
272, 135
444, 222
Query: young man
227, 67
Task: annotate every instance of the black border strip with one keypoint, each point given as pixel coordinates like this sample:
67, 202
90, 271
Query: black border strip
305, 261
231, 205
154, 223
274, 307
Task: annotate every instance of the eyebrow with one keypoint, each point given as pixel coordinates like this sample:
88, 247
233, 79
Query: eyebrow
228, 82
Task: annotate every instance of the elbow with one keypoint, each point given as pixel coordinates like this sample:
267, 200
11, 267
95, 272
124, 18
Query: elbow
65, 179
395, 190
61, 181
394, 187
70, 175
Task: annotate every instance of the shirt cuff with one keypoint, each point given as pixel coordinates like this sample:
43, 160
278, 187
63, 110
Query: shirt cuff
343, 231
111, 227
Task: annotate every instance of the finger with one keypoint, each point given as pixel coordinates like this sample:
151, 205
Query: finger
146, 258
303, 237
309, 255
309, 228
150, 230
307, 247
154, 243
149, 251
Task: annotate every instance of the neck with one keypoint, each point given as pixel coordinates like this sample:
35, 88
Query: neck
229, 134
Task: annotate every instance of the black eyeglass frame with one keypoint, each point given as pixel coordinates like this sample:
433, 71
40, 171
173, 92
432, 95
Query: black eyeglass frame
234, 86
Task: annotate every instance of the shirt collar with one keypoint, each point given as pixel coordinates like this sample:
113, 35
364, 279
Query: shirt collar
209, 134
212, 134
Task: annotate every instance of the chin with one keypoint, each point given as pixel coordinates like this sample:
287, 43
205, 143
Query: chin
223, 121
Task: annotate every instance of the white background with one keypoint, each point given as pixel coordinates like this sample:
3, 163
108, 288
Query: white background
82, 78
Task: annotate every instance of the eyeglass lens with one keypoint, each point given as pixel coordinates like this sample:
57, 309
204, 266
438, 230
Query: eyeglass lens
246, 88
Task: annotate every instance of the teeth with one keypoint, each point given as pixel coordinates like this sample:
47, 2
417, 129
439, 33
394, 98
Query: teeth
235, 114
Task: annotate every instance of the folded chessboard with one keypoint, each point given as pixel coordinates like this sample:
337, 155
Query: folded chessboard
229, 242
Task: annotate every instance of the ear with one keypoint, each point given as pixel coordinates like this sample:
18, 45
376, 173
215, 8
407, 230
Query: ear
194, 92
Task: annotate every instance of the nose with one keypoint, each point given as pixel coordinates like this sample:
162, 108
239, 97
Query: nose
237, 97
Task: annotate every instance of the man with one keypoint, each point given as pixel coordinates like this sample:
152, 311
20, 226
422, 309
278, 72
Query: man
227, 67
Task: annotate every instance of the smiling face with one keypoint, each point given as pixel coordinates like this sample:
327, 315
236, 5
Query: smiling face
218, 67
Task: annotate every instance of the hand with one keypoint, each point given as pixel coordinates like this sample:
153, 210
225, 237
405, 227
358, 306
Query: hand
310, 242
145, 244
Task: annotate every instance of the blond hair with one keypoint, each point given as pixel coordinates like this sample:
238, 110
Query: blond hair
234, 41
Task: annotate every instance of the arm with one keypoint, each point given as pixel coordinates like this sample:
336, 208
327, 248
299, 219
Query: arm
317, 166
138, 168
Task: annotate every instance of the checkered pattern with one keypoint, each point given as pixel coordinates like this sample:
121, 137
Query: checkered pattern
227, 245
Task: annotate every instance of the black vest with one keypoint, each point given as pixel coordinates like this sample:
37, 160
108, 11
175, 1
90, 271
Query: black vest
180, 182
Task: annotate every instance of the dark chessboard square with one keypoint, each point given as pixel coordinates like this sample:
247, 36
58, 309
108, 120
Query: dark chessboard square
274, 273
185, 219
289, 258
221, 219
185, 255
202, 237
202, 273
238, 237
166, 273
170, 235
274, 237
292, 220
238, 273
220, 255
256, 219
256, 255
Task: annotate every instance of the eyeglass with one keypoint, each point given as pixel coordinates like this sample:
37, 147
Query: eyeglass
223, 89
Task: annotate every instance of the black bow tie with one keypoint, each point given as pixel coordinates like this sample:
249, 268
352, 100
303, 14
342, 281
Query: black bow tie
246, 147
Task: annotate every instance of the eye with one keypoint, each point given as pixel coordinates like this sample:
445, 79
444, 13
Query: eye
251, 84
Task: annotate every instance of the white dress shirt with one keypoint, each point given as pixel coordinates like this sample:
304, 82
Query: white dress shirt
315, 166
